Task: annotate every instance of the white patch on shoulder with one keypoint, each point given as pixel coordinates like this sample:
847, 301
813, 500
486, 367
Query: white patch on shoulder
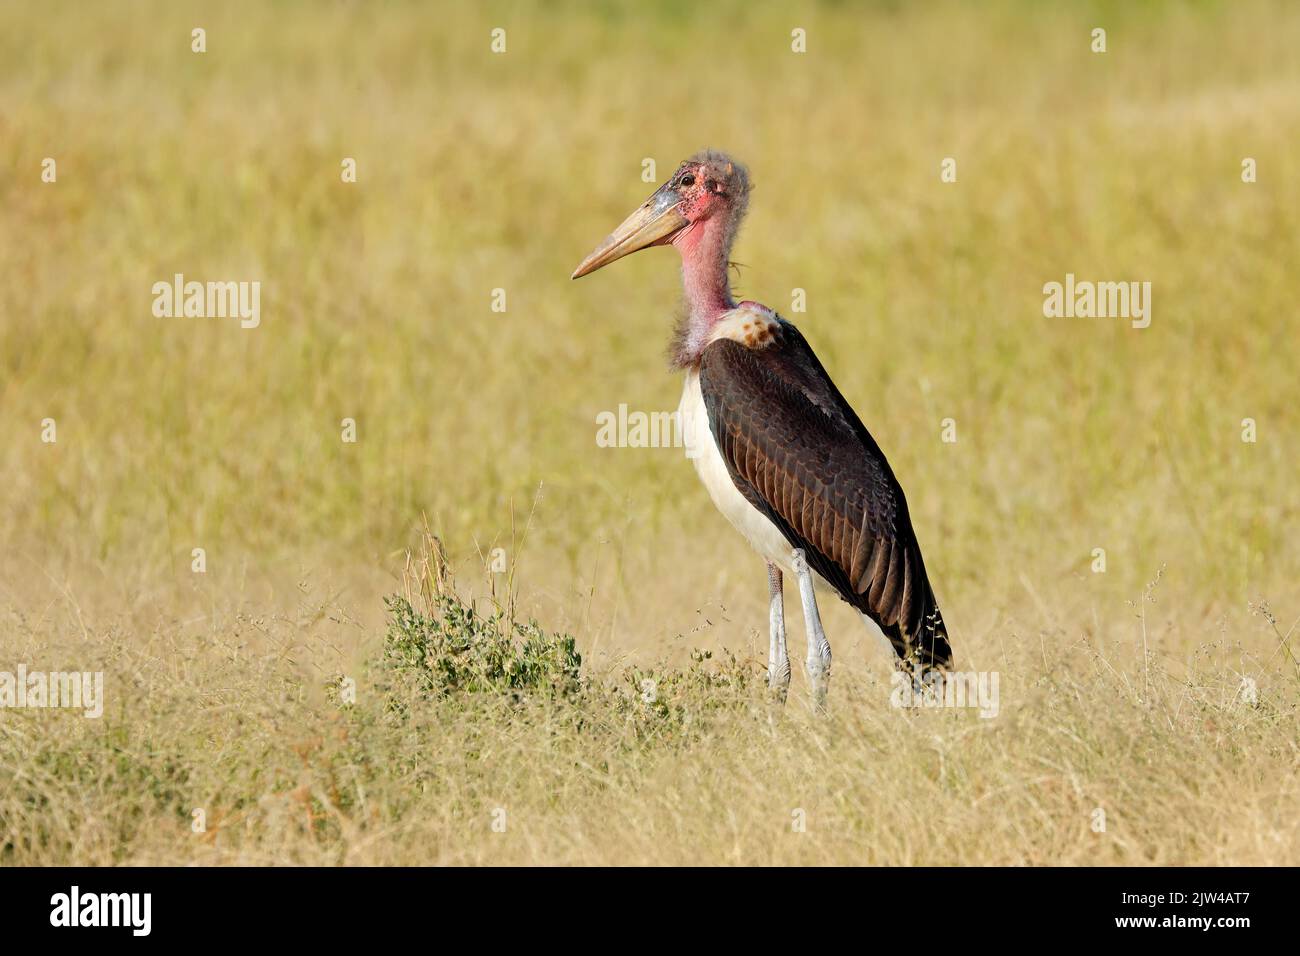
749, 324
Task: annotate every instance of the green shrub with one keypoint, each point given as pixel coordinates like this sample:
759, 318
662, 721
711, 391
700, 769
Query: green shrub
457, 650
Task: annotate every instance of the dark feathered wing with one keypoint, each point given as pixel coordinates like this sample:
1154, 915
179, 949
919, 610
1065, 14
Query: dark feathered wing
799, 453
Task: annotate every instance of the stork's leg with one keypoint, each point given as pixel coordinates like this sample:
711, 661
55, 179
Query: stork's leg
819, 649
778, 660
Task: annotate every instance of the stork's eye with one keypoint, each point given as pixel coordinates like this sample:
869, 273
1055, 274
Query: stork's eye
687, 180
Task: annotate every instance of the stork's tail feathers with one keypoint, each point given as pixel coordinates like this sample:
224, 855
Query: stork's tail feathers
923, 649
931, 648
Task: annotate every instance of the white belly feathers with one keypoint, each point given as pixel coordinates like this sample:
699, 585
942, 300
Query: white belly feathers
703, 451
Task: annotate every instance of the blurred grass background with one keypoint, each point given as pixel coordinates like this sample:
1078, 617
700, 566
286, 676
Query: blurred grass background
480, 171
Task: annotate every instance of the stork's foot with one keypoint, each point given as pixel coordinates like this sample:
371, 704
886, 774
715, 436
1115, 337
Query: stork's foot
778, 659
818, 663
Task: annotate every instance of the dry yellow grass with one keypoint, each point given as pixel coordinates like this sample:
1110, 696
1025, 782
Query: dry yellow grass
480, 171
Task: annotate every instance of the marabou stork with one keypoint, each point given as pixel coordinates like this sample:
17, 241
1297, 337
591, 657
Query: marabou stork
782, 454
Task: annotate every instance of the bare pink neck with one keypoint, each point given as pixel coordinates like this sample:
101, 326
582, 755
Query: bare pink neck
704, 248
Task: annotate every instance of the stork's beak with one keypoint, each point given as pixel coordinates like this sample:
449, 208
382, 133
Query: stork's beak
654, 223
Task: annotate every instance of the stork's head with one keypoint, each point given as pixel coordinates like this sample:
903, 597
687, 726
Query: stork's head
708, 187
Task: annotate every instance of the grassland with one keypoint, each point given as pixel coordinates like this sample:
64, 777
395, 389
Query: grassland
478, 171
